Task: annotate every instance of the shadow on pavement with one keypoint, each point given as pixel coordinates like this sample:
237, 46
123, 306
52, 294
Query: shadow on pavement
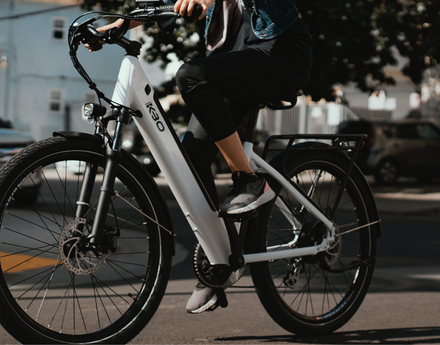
419, 335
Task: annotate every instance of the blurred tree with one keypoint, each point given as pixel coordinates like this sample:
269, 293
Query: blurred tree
415, 31
353, 40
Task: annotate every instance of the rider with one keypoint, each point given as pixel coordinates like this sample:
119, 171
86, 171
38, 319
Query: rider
258, 51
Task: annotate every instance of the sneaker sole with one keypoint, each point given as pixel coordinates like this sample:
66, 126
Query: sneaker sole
266, 197
207, 306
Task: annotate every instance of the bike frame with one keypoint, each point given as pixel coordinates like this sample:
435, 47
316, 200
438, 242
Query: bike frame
133, 90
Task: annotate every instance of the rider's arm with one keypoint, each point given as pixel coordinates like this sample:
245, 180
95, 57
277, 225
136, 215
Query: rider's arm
117, 24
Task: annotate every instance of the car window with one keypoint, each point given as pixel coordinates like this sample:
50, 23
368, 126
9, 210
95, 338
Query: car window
428, 131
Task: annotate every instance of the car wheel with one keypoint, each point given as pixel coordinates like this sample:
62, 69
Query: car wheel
387, 172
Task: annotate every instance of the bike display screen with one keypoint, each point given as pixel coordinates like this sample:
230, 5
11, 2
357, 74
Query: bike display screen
149, 3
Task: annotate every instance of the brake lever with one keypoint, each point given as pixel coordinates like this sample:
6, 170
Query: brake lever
114, 34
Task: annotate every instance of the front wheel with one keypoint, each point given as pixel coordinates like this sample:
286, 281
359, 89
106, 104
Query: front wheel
317, 294
54, 286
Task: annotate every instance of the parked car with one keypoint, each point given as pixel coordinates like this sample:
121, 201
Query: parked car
405, 147
11, 143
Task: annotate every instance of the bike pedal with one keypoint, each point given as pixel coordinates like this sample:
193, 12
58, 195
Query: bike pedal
222, 301
241, 217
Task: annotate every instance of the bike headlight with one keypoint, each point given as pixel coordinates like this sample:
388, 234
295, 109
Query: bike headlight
92, 110
88, 110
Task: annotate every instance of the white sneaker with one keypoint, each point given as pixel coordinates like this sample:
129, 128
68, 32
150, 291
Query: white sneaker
249, 191
205, 298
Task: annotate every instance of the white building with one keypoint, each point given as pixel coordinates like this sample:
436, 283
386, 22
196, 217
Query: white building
38, 84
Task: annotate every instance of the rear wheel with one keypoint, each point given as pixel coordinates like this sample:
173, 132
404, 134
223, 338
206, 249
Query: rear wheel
55, 287
317, 294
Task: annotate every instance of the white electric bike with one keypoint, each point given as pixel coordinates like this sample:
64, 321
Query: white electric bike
87, 258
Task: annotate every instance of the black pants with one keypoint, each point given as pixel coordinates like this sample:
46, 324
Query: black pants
222, 89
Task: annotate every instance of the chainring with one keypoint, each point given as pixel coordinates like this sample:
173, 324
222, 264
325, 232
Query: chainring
214, 276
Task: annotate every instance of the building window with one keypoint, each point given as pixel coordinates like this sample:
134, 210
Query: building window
55, 100
58, 25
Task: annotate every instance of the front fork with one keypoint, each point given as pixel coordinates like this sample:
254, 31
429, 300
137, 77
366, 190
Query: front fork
112, 157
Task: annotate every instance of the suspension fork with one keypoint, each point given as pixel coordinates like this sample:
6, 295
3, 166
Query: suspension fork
83, 203
112, 156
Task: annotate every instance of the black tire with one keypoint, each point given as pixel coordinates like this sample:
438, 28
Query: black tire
42, 298
311, 295
387, 172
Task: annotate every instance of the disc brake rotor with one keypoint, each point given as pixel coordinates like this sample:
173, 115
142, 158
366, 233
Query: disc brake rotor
74, 252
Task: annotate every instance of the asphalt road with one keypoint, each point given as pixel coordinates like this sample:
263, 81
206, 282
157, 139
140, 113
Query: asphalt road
402, 306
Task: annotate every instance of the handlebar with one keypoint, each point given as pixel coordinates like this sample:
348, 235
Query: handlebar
86, 33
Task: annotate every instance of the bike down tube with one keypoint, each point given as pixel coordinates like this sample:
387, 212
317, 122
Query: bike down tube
133, 90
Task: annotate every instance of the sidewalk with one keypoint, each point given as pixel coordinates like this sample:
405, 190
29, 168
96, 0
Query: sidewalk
407, 196
404, 197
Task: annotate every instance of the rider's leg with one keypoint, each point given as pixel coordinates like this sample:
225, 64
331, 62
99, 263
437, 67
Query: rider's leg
202, 151
249, 76
235, 158
249, 190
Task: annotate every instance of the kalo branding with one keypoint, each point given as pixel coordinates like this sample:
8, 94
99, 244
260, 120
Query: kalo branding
155, 116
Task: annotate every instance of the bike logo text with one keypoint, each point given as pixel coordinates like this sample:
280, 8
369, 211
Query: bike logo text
155, 116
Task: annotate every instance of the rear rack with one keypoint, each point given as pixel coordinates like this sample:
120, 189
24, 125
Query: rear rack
350, 142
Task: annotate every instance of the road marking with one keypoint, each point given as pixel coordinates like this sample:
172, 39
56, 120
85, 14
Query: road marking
14, 263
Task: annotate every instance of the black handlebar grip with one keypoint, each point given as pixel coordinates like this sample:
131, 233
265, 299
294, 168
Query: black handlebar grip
94, 45
197, 11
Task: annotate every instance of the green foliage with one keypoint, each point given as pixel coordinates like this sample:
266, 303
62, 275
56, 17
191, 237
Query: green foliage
416, 35
346, 47
186, 42
353, 40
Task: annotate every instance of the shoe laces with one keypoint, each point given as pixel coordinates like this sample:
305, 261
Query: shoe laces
240, 179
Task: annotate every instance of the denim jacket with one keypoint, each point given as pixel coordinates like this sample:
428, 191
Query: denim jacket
274, 17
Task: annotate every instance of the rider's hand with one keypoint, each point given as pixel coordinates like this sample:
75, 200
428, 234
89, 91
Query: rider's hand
101, 29
117, 24
95, 47
187, 6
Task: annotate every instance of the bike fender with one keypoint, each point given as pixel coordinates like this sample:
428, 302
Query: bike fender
97, 139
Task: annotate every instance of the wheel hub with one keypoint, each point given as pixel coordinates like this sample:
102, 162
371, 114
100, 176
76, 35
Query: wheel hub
330, 257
